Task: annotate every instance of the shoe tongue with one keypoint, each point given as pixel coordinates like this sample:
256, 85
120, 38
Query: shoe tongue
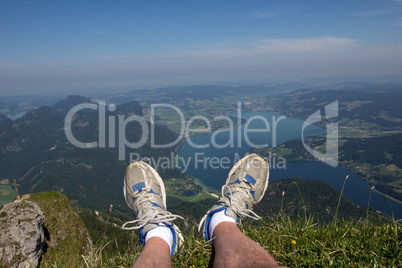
149, 210
239, 196
238, 199
229, 212
148, 227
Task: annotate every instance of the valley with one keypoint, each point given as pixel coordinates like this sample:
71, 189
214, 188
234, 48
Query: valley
35, 150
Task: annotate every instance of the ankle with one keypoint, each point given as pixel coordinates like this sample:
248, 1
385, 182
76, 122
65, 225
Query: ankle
217, 219
161, 231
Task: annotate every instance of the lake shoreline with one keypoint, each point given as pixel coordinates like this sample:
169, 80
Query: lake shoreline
211, 179
348, 169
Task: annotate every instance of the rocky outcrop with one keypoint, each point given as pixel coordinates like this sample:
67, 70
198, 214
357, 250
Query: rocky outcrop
22, 236
68, 237
25, 235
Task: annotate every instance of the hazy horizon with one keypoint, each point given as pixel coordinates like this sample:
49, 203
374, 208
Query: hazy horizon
54, 48
104, 91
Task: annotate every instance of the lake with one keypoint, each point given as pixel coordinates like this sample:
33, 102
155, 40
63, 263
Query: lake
211, 165
16, 116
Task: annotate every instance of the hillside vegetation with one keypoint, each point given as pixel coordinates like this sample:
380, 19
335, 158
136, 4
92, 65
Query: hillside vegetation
293, 243
299, 228
294, 240
67, 236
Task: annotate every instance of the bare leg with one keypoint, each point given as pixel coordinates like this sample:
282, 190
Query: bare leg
156, 253
235, 249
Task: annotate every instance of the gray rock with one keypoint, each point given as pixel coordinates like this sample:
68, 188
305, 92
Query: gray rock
22, 238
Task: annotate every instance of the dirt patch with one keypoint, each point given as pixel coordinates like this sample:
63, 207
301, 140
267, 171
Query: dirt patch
5, 181
4, 192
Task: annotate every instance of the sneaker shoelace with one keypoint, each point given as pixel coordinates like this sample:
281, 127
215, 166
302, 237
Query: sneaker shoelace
158, 214
235, 202
243, 192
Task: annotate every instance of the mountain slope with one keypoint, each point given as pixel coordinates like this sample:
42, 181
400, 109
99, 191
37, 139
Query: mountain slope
373, 105
36, 151
301, 197
3, 119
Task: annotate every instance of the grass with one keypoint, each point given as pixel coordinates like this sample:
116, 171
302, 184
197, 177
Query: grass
292, 242
373, 241
301, 242
340, 196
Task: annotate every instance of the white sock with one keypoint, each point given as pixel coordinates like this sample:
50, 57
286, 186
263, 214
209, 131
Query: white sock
163, 232
217, 218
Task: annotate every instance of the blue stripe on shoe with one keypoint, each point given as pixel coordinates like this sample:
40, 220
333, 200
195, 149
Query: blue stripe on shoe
142, 238
252, 193
207, 221
172, 251
157, 205
152, 192
236, 181
138, 186
250, 179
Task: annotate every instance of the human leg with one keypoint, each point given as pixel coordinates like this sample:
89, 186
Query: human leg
244, 188
145, 195
235, 249
156, 253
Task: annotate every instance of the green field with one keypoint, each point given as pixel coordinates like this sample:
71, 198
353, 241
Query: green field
7, 193
183, 190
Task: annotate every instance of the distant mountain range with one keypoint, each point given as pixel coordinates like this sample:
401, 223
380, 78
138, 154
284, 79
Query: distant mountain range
380, 105
36, 152
201, 92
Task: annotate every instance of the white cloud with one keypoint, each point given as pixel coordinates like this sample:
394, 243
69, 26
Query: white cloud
369, 13
321, 45
261, 14
258, 14
276, 46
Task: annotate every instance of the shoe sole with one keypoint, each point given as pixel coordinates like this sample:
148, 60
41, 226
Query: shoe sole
145, 166
238, 164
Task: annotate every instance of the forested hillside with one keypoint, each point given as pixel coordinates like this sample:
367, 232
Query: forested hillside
378, 105
36, 152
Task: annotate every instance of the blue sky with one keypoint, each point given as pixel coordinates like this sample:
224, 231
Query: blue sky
61, 46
